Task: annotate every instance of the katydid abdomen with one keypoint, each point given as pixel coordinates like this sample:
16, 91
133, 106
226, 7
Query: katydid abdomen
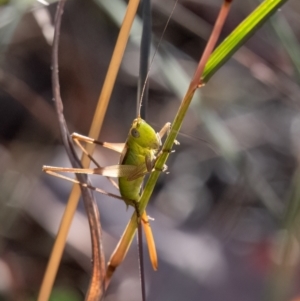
130, 189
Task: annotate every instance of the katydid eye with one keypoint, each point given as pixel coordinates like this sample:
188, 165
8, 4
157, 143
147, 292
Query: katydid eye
135, 133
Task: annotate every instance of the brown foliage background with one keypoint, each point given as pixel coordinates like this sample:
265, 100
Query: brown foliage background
217, 218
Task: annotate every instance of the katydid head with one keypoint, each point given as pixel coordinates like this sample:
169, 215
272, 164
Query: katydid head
142, 134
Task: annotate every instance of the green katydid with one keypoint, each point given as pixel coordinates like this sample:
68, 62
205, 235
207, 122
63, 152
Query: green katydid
138, 156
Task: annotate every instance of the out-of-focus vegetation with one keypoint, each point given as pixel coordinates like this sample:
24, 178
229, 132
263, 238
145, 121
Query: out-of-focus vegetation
226, 215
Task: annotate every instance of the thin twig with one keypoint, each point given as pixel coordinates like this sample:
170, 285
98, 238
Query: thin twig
96, 286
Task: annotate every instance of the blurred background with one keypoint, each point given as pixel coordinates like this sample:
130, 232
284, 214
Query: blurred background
225, 218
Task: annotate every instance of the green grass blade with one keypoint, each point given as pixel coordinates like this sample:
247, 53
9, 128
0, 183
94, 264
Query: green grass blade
234, 41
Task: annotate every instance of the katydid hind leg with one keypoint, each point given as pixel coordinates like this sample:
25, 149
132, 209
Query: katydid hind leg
117, 147
131, 172
75, 181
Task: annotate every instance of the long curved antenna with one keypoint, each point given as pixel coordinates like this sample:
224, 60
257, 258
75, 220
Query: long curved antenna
152, 59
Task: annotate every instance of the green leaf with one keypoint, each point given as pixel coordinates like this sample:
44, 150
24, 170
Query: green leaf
238, 37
